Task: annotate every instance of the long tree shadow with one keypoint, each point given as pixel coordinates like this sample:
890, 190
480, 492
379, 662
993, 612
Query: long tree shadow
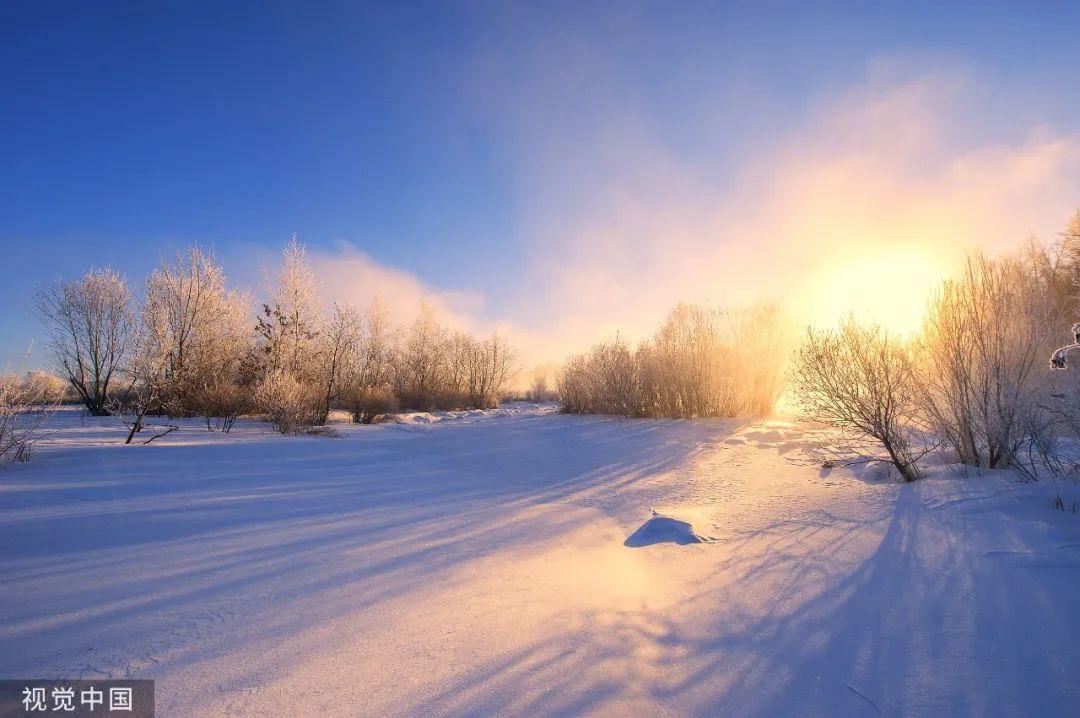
923, 624
134, 542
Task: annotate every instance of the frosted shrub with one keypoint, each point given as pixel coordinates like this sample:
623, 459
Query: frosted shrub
365, 405
701, 362
984, 347
289, 405
604, 381
861, 381
20, 423
222, 402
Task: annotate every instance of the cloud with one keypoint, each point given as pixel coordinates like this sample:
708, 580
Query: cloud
349, 275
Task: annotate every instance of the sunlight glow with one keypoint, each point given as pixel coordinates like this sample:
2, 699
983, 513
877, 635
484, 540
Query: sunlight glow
888, 286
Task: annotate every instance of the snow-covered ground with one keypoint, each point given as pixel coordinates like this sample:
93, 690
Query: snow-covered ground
482, 563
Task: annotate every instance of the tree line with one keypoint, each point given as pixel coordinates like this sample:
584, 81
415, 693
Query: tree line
701, 362
191, 346
973, 382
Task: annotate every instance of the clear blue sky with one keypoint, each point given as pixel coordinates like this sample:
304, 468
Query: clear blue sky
406, 128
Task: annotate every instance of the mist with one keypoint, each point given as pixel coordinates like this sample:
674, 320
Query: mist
860, 203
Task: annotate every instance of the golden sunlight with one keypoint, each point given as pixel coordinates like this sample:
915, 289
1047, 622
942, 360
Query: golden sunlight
888, 286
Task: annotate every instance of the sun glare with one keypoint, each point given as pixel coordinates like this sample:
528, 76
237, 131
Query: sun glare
886, 286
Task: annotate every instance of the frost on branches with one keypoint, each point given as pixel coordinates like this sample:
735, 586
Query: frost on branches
1058, 358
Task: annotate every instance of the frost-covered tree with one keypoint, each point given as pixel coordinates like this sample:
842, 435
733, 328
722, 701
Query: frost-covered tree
199, 327
421, 362
377, 348
92, 331
982, 348
488, 365
288, 326
1059, 359
859, 379
339, 340
21, 417
700, 362
146, 386
369, 394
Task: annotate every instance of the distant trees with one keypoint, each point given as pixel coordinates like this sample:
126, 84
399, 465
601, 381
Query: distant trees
191, 347
439, 369
92, 325
700, 362
540, 392
39, 387
336, 354
197, 330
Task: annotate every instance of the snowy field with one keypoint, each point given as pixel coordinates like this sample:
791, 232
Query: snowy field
497, 563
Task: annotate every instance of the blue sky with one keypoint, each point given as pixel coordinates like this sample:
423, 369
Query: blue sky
456, 142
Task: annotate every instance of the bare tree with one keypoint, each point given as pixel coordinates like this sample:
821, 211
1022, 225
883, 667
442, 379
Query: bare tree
488, 365
92, 328
339, 340
859, 379
145, 388
421, 362
983, 344
21, 418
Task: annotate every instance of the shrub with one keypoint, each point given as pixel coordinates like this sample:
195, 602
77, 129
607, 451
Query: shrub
701, 362
221, 403
368, 404
861, 380
289, 405
20, 423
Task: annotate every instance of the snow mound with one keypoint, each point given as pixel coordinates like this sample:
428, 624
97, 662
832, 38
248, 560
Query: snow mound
663, 529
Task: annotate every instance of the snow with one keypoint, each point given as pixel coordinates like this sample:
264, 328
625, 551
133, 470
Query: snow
475, 565
663, 529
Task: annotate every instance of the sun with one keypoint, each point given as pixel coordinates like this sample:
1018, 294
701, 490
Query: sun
888, 286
